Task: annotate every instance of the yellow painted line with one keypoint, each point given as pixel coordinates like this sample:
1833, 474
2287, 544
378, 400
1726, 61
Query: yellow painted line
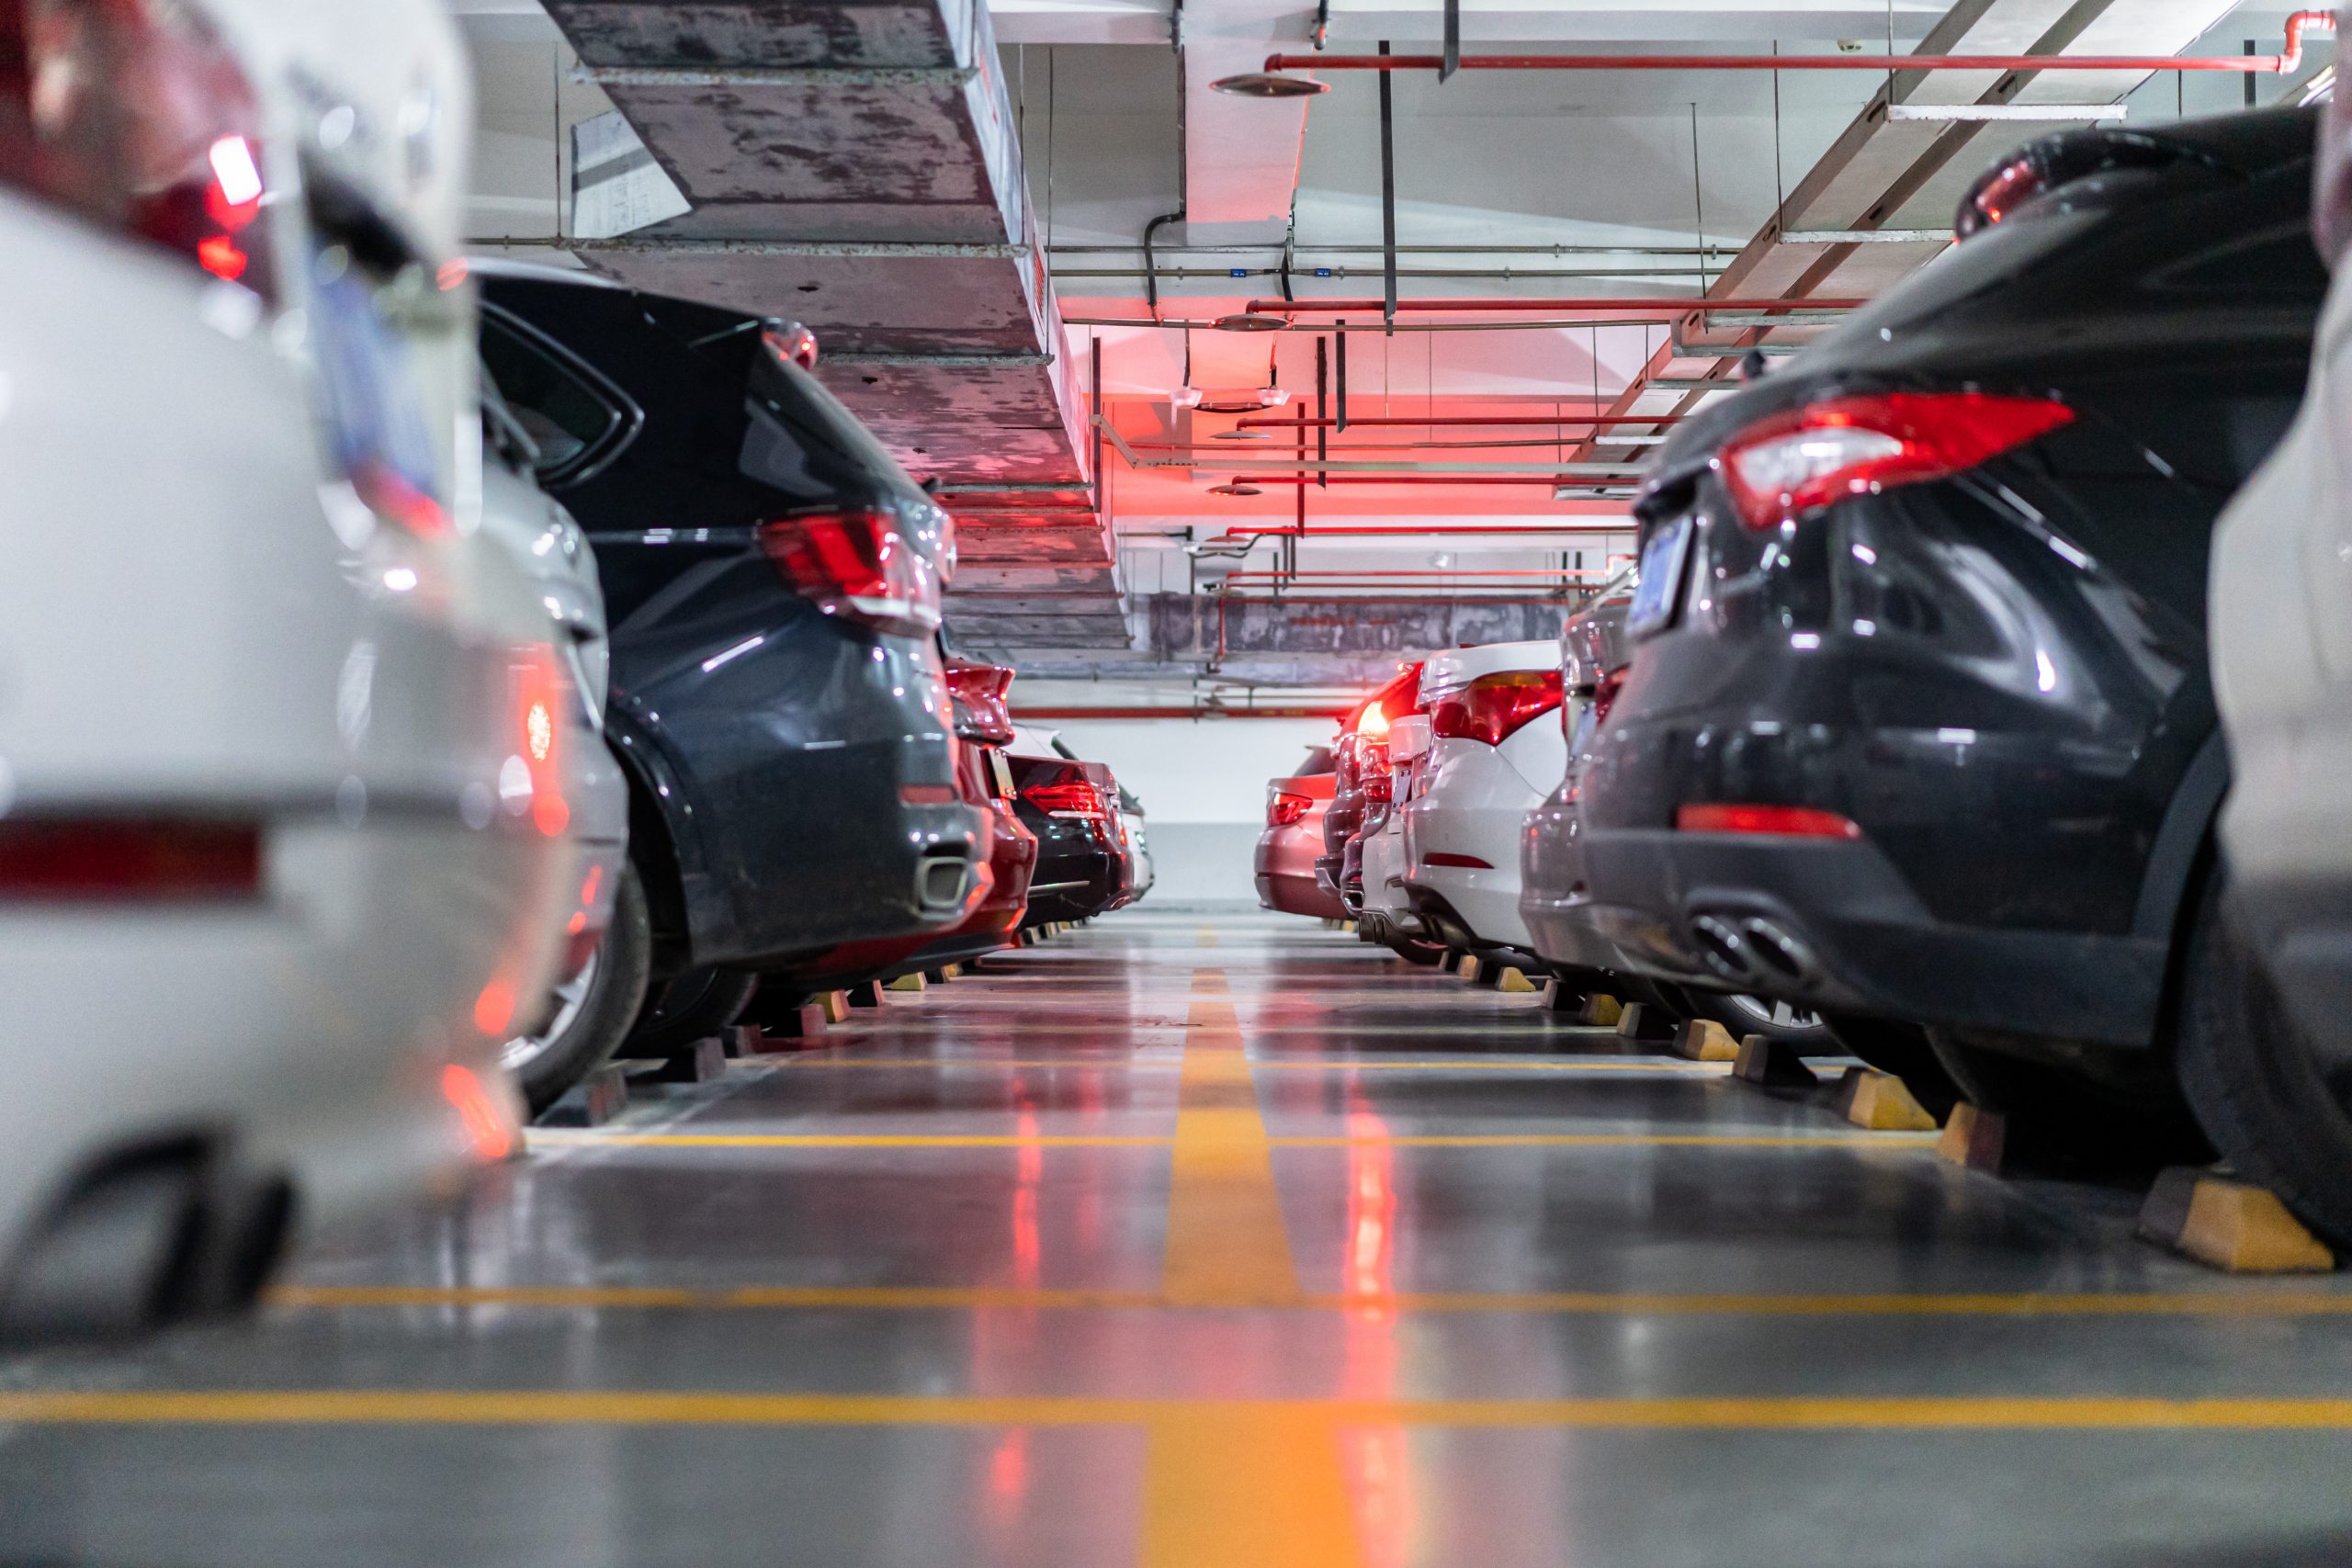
542, 1407
1205, 936
1170, 1064
1620, 1140
561, 1139
1225, 1240
1216, 1144
1269, 1488
2259, 1303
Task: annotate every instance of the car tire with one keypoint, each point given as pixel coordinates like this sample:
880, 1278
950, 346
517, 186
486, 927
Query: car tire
691, 1007
1903, 1049
1742, 1016
2253, 1078
595, 1010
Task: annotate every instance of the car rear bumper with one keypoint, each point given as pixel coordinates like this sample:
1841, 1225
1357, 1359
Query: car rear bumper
1830, 925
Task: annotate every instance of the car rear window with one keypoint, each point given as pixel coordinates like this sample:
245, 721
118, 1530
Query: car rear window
570, 420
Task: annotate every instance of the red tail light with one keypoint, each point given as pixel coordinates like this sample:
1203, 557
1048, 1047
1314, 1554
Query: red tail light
1379, 783
792, 342
134, 115
1283, 809
1460, 863
860, 565
1074, 798
979, 693
142, 859
1492, 709
1811, 458
533, 775
1604, 694
1772, 821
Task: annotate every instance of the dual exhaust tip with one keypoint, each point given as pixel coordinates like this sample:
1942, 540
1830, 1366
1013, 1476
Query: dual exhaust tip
1751, 949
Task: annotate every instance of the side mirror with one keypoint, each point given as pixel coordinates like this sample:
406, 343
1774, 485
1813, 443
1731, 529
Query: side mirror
1408, 738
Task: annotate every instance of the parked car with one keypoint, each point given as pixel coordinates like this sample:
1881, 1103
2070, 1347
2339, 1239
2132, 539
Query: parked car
1292, 840
1140, 871
1364, 727
1072, 807
1555, 888
1488, 762
2266, 1010
982, 726
1919, 728
1375, 870
774, 580
277, 866
602, 977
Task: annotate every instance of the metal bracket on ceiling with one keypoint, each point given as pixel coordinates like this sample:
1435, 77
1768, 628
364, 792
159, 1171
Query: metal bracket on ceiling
658, 244
1453, 61
1322, 33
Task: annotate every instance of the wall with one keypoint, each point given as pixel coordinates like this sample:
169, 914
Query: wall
1203, 784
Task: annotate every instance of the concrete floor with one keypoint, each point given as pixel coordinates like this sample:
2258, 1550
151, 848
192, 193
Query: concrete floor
1193, 1240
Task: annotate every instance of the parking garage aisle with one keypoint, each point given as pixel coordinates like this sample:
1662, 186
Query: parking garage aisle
1192, 1240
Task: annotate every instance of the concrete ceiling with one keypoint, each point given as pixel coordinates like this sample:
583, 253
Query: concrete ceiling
962, 224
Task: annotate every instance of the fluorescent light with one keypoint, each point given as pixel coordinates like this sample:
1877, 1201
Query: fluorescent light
1866, 236
1975, 112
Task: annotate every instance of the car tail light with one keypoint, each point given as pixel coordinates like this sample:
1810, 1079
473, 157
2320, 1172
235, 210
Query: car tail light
1812, 457
1769, 821
1073, 797
1379, 783
1283, 808
1492, 709
2043, 166
860, 565
978, 692
1604, 694
108, 860
1460, 863
134, 115
532, 776
791, 343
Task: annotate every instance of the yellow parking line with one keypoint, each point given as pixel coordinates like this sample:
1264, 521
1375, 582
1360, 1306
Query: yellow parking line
1335, 1065
2212, 1303
1226, 1238
570, 1138
544, 1407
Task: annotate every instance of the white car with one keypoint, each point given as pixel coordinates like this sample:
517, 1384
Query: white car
1386, 914
2266, 1018
605, 971
1496, 749
281, 866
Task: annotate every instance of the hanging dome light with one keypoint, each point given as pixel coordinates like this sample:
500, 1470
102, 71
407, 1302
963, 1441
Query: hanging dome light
1236, 488
1265, 84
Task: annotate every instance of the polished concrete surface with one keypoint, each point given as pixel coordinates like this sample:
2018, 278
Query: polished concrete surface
1218, 1240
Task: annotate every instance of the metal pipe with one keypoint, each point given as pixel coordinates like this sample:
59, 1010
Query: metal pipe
2286, 62
1614, 470
1682, 304
1413, 574
1416, 530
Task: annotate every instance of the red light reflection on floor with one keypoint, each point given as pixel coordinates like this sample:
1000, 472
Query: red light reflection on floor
1374, 1460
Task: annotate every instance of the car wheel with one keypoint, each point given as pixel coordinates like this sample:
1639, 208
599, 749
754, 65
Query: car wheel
1901, 1049
595, 1008
1745, 1015
693, 1004
2256, 1081
1412, 952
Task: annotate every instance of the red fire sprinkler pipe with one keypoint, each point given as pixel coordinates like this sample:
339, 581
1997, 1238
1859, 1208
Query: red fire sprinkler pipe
1466, 420
1436, 480
1679, 304
2286, 62
1419, 531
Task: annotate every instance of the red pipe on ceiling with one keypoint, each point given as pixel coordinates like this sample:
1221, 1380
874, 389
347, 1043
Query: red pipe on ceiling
1414, 574
1256, 530
1511, 419
1685, 303
2283, 63
1424, 479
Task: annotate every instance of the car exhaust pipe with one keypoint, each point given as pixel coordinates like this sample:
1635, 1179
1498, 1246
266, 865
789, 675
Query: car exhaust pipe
943, 882
1751, 949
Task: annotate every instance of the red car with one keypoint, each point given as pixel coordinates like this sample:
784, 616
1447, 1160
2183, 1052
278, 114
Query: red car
1292, 840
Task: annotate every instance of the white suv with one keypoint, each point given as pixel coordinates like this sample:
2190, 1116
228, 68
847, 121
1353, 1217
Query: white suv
281, 850
1496, 750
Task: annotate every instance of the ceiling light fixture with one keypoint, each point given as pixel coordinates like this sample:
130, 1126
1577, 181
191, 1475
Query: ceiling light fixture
1237, 488
1240, 435
1251, 322
1265, 84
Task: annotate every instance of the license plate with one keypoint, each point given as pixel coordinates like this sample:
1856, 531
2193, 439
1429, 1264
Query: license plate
1659, 592
374, 405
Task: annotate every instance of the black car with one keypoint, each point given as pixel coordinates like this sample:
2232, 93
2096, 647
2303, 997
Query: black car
772, 579
1073, 808
1920, 728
